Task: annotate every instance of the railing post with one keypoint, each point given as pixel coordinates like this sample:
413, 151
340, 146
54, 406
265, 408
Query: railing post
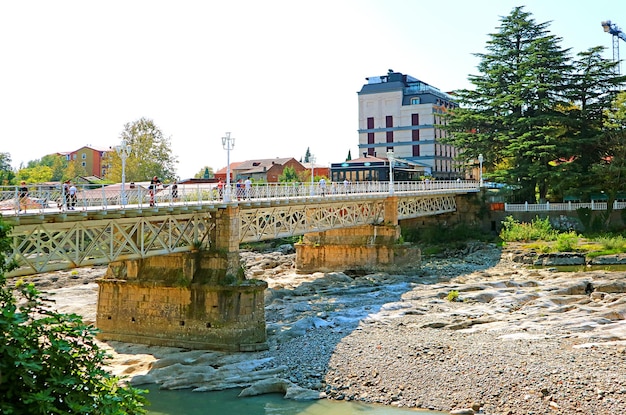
548, 205
526, 206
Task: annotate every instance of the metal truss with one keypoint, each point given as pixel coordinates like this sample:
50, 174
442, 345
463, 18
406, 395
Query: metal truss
416, 206
263, 223
60, 241
51, 246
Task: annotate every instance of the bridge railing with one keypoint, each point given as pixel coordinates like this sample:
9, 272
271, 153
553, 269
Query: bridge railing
50, 198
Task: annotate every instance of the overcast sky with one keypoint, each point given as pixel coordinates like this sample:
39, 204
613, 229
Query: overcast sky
281, 76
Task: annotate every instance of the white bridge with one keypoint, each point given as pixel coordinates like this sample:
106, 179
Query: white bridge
100, 229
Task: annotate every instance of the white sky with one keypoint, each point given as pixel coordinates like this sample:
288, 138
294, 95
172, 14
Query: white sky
281, 76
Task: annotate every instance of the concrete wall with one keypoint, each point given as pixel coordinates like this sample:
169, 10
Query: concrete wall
181, 300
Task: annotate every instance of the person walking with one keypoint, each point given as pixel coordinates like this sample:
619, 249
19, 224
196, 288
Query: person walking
322, 185
220, 188
248, 187
23, 196
65, 191
175, 192
73, 196
153, 189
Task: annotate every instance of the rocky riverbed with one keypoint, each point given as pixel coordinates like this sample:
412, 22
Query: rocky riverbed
469, 332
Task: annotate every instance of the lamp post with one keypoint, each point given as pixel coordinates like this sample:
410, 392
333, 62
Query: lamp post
390, 159
480, 173
123, 151
228, 143
312, 161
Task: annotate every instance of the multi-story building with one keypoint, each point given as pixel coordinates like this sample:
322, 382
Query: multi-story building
93, 160
402, 114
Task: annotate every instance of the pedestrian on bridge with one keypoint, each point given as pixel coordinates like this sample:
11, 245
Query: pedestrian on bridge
23, 196
72, 195
153, 188
248, 187
322, 184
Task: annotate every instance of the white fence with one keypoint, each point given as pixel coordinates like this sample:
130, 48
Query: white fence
42, 198
565, 206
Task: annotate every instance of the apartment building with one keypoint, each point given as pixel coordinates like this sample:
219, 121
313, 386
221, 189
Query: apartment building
93, 160
402, 114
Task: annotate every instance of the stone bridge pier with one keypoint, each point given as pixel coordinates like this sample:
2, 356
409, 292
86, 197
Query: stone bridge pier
196, 300
366, 248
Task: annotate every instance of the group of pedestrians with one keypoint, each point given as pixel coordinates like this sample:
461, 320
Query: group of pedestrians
69, 196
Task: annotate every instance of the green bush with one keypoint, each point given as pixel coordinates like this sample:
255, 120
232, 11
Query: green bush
616, 244
49, 362
453, 296
538, 229
566, 242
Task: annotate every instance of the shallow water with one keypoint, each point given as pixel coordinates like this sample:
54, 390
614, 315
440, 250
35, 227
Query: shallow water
186, 402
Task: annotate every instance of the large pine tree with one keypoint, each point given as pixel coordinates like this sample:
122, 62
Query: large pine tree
513, 116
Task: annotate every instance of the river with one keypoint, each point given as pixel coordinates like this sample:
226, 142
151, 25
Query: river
186, 402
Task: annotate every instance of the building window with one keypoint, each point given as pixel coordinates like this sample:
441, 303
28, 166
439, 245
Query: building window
83, 156
74, 156
83, 164
370, 138
390, 136
415, 101
415, 119
416, 151
389, 121
415, 135
370, 123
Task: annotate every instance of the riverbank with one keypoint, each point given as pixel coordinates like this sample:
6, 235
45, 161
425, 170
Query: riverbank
516, 341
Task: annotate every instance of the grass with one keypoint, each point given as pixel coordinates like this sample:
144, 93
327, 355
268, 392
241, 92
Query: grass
540, 236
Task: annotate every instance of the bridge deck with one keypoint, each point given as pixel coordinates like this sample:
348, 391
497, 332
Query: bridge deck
46, 239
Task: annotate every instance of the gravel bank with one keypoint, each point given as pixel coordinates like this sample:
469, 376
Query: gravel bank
520, 342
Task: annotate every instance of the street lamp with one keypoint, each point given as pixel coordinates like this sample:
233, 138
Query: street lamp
123, 151
390, 159
228, 143
480, 173
312, 161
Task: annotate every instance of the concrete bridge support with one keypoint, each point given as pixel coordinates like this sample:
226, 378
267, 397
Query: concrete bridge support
197, 300
365, 248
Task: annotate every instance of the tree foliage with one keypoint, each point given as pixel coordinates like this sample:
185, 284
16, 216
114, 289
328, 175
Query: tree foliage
288, 175
307, 155
151, 154
7, 174
49, 362
36, 174
206, 170
533, 109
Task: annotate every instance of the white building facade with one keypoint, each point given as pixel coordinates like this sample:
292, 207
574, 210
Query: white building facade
402, 114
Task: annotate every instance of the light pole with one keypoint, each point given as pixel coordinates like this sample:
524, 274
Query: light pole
480, 173
390, 159
123, 151
312, 161
228, 143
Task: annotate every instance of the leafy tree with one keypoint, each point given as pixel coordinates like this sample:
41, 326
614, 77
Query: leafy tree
58, 166
74, 169
151, 154
593, 87
36, 174
49, 362
511, 116
307, 156
288, 175
610, 172
206, 170
6, 171
349, 156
